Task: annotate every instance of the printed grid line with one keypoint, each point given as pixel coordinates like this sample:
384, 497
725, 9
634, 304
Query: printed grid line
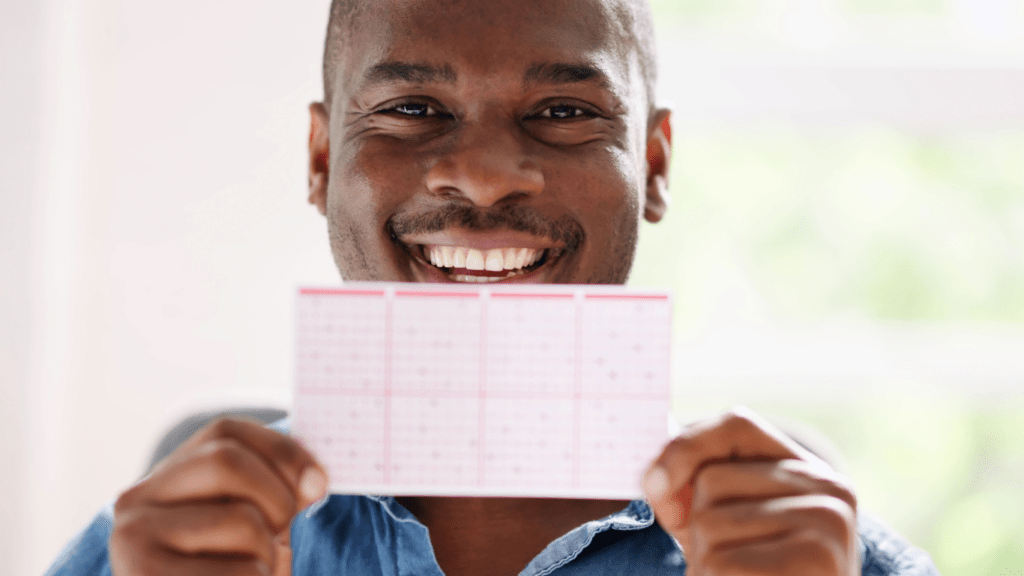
626, 297
481, 438
577, 392
491, 394
530, 296
389, 344
434, 294
339, 292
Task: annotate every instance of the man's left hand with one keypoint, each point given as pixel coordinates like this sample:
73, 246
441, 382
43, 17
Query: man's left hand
742, 498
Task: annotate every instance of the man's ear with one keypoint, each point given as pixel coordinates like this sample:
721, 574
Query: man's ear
319, 155
659, 152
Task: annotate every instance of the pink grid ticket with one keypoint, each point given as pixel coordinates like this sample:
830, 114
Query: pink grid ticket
517, 390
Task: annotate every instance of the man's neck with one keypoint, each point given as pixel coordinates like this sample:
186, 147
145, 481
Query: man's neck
499, 536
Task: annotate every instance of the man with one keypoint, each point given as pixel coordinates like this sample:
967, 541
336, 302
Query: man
486, 124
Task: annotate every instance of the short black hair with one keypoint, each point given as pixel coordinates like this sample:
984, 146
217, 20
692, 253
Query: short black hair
635, 14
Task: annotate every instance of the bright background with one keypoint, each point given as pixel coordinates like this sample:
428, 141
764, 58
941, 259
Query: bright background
846, 242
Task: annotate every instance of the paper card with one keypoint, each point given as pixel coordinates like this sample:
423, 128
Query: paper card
512, 390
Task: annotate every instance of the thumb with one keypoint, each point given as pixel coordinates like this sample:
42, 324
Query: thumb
671, 506
283, 554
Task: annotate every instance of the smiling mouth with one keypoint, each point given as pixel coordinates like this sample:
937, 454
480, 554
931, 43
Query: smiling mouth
464, 264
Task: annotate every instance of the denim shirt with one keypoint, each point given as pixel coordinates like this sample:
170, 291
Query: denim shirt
375, 535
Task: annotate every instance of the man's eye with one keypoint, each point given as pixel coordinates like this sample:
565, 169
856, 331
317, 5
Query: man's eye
565, 112
413, 109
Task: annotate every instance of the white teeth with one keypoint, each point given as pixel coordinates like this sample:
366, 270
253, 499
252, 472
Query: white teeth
477, 279
509, 260
520, 257
475, 259
495, 261
482, 279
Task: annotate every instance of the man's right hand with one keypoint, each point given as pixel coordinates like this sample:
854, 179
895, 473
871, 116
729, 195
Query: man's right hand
221, 504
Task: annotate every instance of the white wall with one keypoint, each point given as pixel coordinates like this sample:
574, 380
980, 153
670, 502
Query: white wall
153, 226
20, 38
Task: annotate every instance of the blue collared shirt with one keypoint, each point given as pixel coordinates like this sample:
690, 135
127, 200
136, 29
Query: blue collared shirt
377, 536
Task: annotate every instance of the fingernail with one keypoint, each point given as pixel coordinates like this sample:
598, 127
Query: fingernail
312, 484
656, 482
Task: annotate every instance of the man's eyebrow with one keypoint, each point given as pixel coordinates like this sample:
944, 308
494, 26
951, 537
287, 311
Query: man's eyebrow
389, 72
562, 73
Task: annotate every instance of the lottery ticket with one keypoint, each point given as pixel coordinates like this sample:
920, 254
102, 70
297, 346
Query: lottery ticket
513, 390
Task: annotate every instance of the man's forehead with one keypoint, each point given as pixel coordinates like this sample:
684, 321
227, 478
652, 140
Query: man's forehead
588, 16
392, 71
537, 40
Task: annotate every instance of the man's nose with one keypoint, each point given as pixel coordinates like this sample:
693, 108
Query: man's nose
486, 164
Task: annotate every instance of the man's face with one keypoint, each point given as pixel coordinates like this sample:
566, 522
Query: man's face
479, 141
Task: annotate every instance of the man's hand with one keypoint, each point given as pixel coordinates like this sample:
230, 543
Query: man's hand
742, 498
221, 504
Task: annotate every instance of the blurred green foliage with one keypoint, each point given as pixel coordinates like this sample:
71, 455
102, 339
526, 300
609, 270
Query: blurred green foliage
876, 225
866, 222
780, 224
946, 471
873, 224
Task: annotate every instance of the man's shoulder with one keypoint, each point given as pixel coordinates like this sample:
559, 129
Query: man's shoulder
886, 553
87, 552
316, 527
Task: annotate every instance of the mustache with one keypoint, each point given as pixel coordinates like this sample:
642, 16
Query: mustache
563, 230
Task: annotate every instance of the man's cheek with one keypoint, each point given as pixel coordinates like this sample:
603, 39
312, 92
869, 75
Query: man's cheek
385, 166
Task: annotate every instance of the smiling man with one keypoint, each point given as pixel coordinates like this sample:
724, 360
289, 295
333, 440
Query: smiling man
490, 141
451, 130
